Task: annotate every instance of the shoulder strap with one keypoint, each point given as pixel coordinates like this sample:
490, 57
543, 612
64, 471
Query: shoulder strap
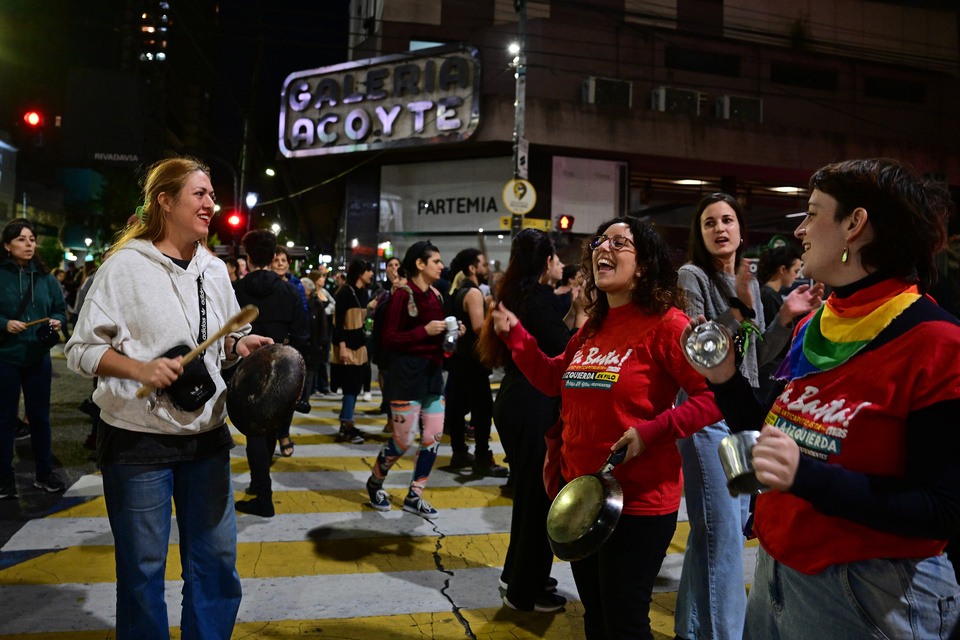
23, 304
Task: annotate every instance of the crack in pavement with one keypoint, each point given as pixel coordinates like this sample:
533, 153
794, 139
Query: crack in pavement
446, 583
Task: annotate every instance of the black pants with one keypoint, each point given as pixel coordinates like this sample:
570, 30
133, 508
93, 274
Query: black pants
616, 582
259, 455
468, 391
523, 415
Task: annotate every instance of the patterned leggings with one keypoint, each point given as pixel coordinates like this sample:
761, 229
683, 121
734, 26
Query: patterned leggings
427, 414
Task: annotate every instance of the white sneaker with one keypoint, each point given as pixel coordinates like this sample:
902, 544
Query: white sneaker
367, 397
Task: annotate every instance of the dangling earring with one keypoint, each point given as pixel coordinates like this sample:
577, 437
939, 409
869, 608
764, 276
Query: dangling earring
846, 254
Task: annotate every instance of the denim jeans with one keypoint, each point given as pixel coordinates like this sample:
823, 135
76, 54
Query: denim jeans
347, 407
711, 597
138, 500
880, 598
35, 381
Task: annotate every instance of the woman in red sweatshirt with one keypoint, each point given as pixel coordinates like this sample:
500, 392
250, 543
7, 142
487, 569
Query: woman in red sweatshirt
617, 381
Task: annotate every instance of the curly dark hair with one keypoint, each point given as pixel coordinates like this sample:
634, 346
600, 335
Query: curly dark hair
907, 214
656, 289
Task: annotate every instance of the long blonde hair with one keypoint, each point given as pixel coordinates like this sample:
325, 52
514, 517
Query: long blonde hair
166, 176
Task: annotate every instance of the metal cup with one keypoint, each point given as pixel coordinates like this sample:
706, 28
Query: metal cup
708, 344
736, 456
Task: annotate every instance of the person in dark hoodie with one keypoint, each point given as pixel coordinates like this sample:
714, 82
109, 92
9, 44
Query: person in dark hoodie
28, 295
281, 318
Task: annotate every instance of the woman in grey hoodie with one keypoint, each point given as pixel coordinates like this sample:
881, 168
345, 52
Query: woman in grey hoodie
162, 288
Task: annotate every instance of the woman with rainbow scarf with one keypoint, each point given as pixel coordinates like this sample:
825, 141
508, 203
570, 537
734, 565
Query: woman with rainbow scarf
861, 446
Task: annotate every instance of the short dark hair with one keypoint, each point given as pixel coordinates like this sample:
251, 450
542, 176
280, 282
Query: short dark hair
286, 252
569, 271
261, 246
773, 258
230, 260
906, 212
356, 269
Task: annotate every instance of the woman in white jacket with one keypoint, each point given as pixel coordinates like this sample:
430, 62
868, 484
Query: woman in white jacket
162, 288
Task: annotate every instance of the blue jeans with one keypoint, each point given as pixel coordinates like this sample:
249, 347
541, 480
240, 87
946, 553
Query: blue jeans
138, 504
711, 598
347, 407
34, 379
880, 598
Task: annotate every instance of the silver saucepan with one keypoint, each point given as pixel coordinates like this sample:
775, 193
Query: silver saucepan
586, 511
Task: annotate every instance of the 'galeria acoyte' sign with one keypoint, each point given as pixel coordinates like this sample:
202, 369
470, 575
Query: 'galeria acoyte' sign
431, 96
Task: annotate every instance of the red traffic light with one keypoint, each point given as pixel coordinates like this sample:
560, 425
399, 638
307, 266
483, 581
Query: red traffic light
565, 223
33, 118
234, 220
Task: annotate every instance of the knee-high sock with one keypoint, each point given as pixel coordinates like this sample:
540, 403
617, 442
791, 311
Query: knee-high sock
431, 433
405, 414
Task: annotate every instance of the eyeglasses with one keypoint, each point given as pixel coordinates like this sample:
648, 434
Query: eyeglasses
619, 242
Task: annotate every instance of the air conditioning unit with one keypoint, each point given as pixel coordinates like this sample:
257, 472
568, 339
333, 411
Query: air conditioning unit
674, 100
608, 92
742, 108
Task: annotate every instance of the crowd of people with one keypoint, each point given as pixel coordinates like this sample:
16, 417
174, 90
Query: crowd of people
854, 396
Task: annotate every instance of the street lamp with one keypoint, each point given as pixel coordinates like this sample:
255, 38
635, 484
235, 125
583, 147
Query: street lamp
88, 242
275, 227
270, 172
252, 199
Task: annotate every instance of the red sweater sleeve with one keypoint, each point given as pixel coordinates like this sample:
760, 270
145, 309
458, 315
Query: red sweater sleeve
694, 414
542, 371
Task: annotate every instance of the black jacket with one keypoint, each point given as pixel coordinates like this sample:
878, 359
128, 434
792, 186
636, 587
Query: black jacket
281, 309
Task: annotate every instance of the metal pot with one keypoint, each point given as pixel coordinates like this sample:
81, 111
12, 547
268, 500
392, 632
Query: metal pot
264, 391
586, 511
736, 457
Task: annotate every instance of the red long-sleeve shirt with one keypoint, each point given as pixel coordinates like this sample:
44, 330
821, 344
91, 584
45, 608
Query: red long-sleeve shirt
405, 334
627, 375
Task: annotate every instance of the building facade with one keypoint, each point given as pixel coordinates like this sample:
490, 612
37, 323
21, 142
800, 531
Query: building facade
635, 105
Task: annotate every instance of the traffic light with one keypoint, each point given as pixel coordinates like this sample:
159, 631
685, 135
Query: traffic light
565, 223
234, 220
34, 119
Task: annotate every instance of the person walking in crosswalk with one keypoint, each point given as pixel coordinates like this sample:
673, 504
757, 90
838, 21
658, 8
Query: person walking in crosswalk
414, 332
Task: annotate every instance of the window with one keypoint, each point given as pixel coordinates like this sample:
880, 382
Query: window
895, 89
718, 64
795, 75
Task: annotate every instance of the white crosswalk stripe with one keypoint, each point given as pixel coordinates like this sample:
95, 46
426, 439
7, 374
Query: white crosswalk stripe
346, 553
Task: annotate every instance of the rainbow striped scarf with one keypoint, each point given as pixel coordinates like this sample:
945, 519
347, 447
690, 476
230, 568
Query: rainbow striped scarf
842, 327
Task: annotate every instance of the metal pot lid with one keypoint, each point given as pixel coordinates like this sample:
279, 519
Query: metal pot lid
263, 392
575, 509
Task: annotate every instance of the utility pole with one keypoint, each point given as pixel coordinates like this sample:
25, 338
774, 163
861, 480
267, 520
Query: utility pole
519, 103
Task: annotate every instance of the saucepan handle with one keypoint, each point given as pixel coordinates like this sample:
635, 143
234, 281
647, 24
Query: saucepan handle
614, 459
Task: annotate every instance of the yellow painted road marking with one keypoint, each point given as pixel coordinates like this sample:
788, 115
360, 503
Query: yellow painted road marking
339, 501
498, 623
